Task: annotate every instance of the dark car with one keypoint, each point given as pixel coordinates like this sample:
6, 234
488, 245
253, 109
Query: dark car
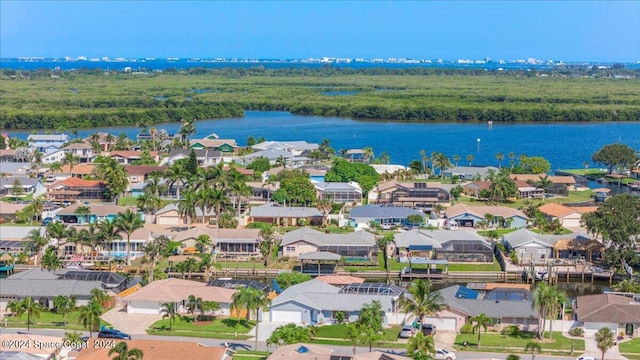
46, 221
428, 329
113, 334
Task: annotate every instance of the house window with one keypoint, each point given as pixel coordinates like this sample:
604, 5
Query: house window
291, 248
542, 251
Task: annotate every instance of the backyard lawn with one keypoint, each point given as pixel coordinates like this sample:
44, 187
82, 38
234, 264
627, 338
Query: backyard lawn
49, 320
498, 342
227, 328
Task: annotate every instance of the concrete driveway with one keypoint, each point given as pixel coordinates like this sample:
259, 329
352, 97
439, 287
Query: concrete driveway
129, 323
591, 349
444, 339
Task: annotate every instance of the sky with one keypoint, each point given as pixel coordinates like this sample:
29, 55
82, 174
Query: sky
450, 30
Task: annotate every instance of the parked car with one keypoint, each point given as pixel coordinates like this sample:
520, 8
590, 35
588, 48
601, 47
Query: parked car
113, 334
442, 354
587, 358
428, 329
46, 221
406, 332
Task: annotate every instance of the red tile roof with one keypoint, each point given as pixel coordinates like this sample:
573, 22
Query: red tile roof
78, 182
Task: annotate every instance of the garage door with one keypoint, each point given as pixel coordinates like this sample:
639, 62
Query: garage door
286, 316
443, 323
590, 328
143, 307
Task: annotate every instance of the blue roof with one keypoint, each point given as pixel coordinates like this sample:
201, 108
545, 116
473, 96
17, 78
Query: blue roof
421, 247
466, 293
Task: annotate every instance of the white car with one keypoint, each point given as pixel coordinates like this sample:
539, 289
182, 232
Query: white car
442, 354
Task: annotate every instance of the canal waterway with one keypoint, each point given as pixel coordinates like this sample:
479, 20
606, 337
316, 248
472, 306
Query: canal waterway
565, 145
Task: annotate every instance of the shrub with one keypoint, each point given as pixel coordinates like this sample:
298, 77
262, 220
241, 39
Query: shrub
514, 258
339, 315
511, 330
466, 329
576, 331
513, 357
500, 246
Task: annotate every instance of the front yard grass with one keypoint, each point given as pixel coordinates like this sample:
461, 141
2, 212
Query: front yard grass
49, 320
340, 332
218, 325
502, 343
630, 347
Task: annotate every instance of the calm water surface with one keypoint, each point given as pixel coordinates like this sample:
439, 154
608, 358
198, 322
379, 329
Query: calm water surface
565, 145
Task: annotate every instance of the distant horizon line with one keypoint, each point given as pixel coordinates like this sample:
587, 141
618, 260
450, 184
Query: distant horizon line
316, 60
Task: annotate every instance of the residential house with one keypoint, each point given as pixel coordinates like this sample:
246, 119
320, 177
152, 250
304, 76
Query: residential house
15, 169
43, 285
619, 313
45, 143
98, 213
503, 305
139, 238
339, 192
469, 216
385, 215
12, 237
24, 346
82, 151
74, 189
601, 194
295, 148
358, 244
262, 192
138, 174
157, 349
129, 157
316, 172
421, 195
356, 155
150, 298
559, 184
316, 302
531, 246
389, 168
78, 170
226, 243
453, 246
285, 215
567, 216
273, 156
528, 191
106, 140
469, 172
7, 155
204, 157
169, 215
225, 146
27, 184
475, 187
323, 352
8, 210
54, 156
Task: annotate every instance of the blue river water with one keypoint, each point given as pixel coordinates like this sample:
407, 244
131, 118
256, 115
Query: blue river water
565, 145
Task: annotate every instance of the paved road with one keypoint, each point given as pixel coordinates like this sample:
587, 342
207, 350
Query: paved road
248, 345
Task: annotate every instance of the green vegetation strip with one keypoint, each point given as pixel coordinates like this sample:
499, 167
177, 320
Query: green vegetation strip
630, 347
200, 334
35, 100
49, 320
496, 342
186, 323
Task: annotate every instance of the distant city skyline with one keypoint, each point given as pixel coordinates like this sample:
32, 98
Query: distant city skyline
599, 31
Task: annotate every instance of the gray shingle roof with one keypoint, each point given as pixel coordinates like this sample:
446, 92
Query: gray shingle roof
383, 212
524, 236
324, 186
319, 255
17, 232
357, 238
46, 288
414, 237
491, 308
272, 210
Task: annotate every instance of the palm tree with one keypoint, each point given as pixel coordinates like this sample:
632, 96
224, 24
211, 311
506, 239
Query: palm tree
82, 212
250, 299
89, 316
512, 160
440, 161
107, 232
604, 338
50, 260
187, 207
128, 222
203, 242
218, 200
100, 296
169, 310
203, 201
534, 347
152, 250
190, 265
64, 305
353, 334
456, 158
556, 302
420, 346
500, 157
470, 159
324, 206
586, 166
188, 128
70, 159
542, 298
424, 300
177, 175
36, 242
267, 234
368, 154
124, 353
32, 308
425, 160
480, 322
193, 304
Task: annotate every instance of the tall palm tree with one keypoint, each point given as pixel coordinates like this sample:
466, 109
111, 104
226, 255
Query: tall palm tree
193, 304
128, 222
480, 322
203, 201
424, 300
169, 311
107, 232
32, 308
203, 242
89, 316
542, 299
190, 265
70, 159
218, 200
82, 212
325, 206
512, 160
187, 207
557, 298
500, 157
64, 306
456, 158
36, 242
604, 338
425, 160
534, 347
368, 154
250, 299
124, 353
470, 159
420, 346
177, 175
152, 251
